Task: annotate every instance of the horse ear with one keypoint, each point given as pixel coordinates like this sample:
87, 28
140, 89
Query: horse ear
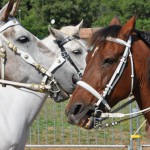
78, 27
57, 33
128, 27
115, 21
5, 12
15, 8
2, 12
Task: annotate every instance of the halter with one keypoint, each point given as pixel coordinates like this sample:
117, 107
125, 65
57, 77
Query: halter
98, 114
48, 77
64, 53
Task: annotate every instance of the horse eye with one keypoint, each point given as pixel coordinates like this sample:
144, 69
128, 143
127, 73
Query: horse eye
23, 39
77, 52
109, 61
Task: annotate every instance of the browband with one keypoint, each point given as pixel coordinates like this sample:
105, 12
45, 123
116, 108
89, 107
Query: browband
10, 23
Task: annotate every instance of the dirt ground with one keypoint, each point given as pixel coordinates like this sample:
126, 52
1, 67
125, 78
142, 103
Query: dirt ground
77, 149
81, 149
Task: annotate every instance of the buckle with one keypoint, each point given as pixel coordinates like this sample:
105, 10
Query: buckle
64, 54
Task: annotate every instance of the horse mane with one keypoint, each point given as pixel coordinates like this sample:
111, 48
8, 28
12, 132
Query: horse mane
99, 37
112, 31
145, 36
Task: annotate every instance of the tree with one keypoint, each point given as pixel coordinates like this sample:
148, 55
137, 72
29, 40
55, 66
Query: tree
36, 15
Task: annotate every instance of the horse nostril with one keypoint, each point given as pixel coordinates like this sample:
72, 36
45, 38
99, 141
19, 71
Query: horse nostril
77, 109
75, 78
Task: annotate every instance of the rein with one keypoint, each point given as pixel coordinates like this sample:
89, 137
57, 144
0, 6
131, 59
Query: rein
98, 114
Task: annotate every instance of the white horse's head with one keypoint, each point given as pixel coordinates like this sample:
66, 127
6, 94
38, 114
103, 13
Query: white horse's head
76, 49
18, 66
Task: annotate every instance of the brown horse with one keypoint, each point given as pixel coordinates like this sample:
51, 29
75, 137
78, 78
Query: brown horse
117, 67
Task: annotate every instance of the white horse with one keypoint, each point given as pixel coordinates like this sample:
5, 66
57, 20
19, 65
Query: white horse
25, 60
75, 48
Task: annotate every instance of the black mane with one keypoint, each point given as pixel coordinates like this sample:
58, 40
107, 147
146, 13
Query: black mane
112, 31
145, 36
103, 33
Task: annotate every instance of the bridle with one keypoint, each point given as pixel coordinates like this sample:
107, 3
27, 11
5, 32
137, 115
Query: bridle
48, 73
98, 114
115, 77
48, 80
64, 53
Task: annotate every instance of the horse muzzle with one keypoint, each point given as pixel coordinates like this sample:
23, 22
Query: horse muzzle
81, 117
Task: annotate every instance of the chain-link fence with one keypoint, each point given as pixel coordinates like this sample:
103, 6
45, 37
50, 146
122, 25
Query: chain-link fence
50, 129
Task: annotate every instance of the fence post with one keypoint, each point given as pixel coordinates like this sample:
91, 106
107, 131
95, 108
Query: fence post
131, 129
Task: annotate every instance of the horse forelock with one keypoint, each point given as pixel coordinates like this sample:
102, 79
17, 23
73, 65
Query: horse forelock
112, 31
100, 36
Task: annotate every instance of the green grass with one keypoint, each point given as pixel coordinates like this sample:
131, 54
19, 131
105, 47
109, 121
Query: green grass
51, 127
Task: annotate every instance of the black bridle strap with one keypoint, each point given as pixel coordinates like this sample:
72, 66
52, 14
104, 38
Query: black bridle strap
124, 105
73, 64
66, 40
64, 53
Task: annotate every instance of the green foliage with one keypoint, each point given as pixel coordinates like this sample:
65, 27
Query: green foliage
36, 15
125, 10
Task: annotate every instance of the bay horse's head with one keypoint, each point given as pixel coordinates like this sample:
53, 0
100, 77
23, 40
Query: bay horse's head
111, 49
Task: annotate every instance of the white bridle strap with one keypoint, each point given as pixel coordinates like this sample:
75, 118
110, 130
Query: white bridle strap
115, 77
132, 73
119, 70
121, 115
3, 59
27, 58
35, 87
57, 63
94, 92
119, 41
10, 23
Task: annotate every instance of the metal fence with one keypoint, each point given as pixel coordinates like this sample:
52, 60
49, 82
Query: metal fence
50, 129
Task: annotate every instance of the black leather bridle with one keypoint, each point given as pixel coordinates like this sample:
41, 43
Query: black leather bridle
64, 53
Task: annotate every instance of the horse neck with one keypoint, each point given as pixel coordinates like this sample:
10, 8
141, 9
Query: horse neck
20, 106
23, 101
141, 55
